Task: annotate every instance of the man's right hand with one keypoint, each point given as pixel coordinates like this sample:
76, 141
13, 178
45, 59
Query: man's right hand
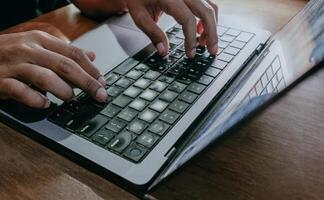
39, 60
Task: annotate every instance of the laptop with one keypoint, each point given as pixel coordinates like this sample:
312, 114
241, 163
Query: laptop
161, 112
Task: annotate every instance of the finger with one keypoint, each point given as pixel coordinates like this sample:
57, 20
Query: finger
182, 14
70, 71
200, 27
44, 79
91, 55
20, 92
145, 22
81, 57
207, 14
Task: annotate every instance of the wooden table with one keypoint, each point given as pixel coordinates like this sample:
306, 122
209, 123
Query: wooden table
279, 154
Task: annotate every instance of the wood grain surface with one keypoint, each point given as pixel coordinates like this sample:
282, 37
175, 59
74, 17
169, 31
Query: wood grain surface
279, 154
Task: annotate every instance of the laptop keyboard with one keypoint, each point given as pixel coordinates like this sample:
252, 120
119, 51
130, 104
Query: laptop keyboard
147, 97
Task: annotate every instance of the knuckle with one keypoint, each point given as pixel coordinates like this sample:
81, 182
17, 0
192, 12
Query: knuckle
44, 79
77, 54
65, 66
38, 34
91, 85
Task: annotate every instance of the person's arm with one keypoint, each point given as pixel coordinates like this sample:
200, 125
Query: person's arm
98, 8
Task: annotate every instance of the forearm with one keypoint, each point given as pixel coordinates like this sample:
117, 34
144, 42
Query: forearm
101, 7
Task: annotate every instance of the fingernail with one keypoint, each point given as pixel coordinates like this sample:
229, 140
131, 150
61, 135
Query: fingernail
160, 48
192, 53
47, 104
102, 81
214, 50
101, 95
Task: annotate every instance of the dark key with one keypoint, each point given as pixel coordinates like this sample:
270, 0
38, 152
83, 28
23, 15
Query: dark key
92, 126
148, 115
158, 86
168, 96
82, 97
152, 75
72, 106
135, 152
115, 125
132, 92
142, 83
136, 126
134, 74
121, 141
179, 106
114, 91
149, 95
166, 79
169, 116
138, 104
85, 112
60, 117
127, 114
147, 139
127, 65
205, 80
188, 97
200, 49
112, 78
142, 67
177, 87
103, 136
159, 105
168, 61
111, 111
122, 101
211, 71
196, 88
124, 83
158, 127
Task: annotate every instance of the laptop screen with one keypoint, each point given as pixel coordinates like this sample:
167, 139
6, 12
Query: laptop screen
292, 52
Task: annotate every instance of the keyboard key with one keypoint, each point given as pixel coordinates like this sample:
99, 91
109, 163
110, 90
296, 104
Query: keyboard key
168, 96
225, 57
115, 125
122, 101
158, 86
124, 82
127, 65
211, 71
158, 127
127, 114
205, 80
177, 54
245, 37
147, 139
136, 126
233, 32
138, 104
60, 117
103, 136
142, 83
114, 91
169, 116
142, 67
227, 38
148, 115
221, 30
177, 87
152, 75
121, 141
149, 95
132, 92
176, 41
112, 78
73, 106
238, 44
188, 97
135, 152
166, 79
232, 50
159, 106
196, 88
92, 126
219, 64
222, 44
134, 74
111, 111
179, 106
